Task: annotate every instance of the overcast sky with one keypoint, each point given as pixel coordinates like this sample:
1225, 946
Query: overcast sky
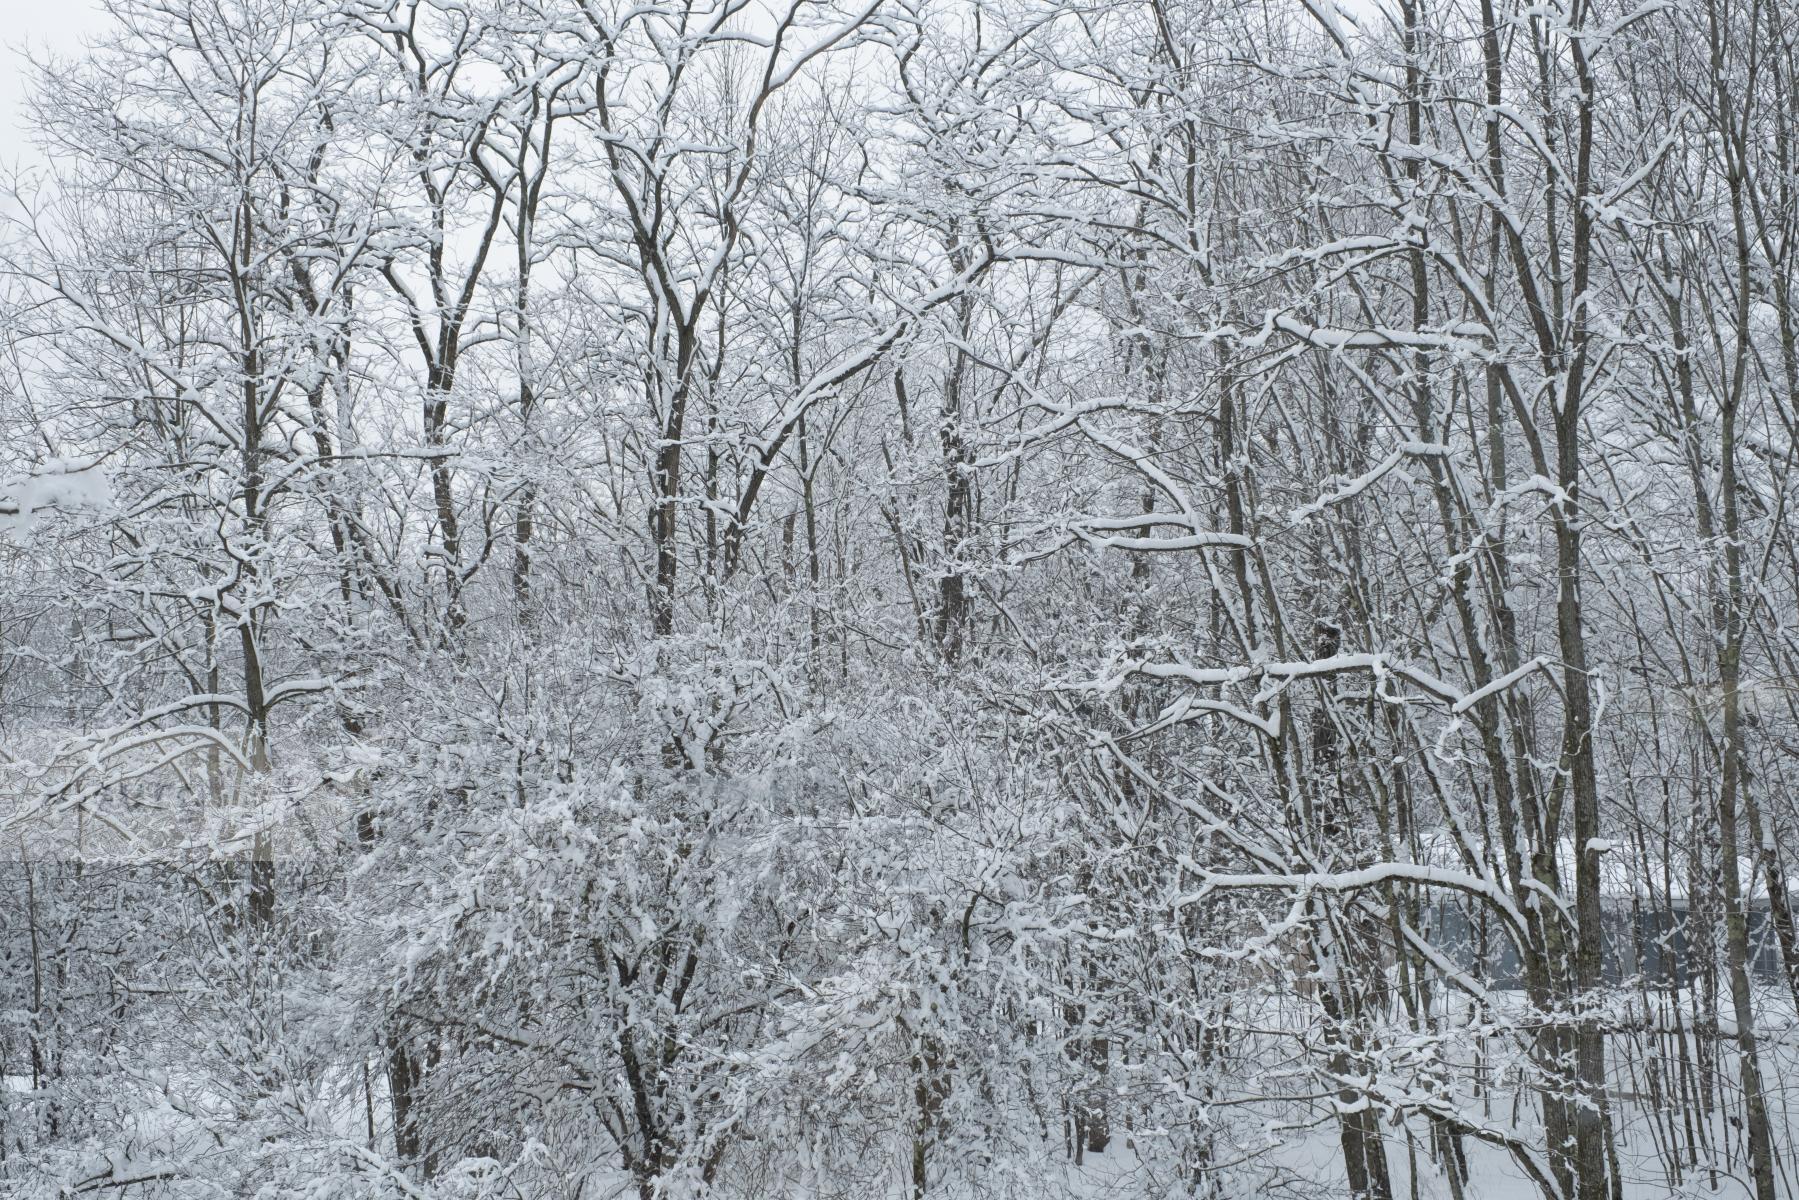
55, 26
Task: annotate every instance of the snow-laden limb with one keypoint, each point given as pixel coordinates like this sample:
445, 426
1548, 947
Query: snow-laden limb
1202, 676
1363, 878
1352, 488
1503, 683
1190, 708
1463, 338
122, 1171
1377, 664
1144, 463
1200, 540
92, 755
1062, 417
1337, 23
1095, 532
1274, 677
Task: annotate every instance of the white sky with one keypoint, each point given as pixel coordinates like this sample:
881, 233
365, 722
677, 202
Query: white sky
52, 26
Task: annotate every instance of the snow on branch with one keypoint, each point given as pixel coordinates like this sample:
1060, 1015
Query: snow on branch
1361, 483
1362, 879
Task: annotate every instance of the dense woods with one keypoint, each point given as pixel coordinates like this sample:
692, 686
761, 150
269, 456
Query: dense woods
916, 598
